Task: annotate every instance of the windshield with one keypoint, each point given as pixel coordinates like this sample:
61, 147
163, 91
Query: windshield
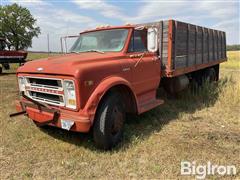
101, 41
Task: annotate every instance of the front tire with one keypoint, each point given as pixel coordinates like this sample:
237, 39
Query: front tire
108, 126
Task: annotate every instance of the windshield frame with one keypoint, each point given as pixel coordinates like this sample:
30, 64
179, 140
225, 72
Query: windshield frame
125, 43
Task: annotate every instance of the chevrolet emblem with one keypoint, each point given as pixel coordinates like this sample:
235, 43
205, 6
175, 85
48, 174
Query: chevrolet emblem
40, 69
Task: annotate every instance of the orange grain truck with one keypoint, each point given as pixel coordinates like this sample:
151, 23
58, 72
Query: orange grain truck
112, 71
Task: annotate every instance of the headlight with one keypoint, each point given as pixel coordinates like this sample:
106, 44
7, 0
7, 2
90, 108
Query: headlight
70, 95
21, 83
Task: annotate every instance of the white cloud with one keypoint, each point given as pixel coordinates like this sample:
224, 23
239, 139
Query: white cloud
61, 21
222, 15
55, 22
153, 10
104, 8
58, 23
231, 27
30, 2
194, 9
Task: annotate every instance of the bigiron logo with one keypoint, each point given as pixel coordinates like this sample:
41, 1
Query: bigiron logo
200, 171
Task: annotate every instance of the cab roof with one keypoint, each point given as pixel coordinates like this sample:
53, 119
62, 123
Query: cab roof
128, 26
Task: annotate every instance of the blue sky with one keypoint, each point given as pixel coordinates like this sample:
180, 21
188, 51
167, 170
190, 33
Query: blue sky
61, 17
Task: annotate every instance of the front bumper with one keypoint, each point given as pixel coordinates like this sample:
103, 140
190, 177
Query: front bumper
49, 116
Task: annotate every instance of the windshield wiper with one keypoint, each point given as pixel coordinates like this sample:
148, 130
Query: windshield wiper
91, 50
94, 50
75, 52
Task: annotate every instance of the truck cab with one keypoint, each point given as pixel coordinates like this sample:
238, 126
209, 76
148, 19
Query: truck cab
110, 65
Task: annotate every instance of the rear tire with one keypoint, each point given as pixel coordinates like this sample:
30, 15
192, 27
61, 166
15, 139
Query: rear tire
0, 70
108, 126
210, 75
200, 77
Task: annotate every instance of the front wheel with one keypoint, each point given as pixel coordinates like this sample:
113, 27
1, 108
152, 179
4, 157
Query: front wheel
108, 126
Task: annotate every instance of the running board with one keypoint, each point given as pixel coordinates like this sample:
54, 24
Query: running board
150, 105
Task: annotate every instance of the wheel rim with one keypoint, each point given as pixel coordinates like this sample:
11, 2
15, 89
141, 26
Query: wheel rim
117, 121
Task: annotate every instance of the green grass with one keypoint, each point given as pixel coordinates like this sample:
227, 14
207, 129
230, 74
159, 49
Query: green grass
200, 126
33, 56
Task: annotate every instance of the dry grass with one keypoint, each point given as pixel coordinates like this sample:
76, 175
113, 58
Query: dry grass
233, 58
201, 126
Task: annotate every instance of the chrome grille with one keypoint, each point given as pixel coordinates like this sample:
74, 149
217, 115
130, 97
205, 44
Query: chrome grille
45, 90
48, 83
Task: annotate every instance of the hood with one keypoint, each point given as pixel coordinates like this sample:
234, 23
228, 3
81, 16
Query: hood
69, 64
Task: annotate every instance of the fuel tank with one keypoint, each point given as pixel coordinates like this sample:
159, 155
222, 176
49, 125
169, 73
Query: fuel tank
175, 84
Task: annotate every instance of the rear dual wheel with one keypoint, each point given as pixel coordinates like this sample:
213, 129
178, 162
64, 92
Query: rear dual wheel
202, 76
210, 75
110, 117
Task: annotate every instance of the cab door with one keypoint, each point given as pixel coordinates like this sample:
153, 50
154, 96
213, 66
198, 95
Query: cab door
145, 66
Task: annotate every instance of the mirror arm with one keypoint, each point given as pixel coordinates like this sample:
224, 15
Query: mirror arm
141, 56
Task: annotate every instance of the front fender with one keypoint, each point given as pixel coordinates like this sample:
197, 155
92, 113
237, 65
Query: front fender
92, 103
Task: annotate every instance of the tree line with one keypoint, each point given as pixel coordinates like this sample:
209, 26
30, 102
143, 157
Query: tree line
235, 47
17, 27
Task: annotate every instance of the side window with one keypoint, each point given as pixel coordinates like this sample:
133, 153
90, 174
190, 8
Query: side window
138, 41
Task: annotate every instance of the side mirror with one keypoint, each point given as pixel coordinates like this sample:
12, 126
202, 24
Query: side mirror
152, 39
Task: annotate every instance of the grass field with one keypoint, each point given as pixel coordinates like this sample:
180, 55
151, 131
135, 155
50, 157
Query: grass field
198, 126
32, 56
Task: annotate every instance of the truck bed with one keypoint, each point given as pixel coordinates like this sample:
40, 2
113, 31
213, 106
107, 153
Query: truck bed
185, 47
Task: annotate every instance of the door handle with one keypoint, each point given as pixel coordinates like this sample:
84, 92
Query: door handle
136, 55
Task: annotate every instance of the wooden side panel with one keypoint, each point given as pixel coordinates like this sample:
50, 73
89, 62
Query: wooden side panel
185, 47
164, 39
181, 45
224, 45
205, 45
219, 45
160, 41
215, 45
192, 45
210, 43
199, 45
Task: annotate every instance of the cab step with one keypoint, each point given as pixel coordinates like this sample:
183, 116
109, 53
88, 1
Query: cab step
149, 105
